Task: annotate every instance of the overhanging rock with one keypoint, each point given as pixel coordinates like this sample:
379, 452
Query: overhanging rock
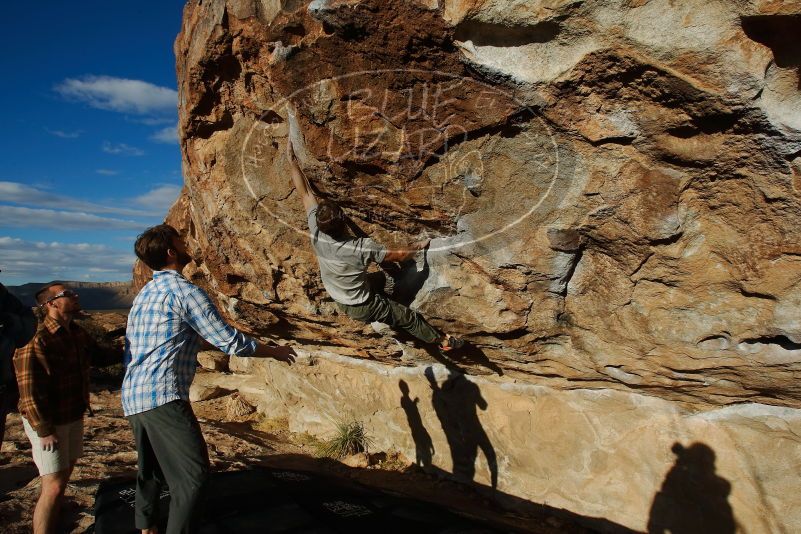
612, 190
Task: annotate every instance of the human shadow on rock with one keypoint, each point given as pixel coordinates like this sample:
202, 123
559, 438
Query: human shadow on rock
456, 403
458, 361
401, 282
406, 279
423, 444
693, 499
525, 515
468, 355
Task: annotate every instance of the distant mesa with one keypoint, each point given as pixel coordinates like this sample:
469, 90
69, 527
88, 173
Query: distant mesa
94, 295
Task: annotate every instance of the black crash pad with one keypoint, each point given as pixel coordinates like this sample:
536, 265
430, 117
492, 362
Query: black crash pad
266, 500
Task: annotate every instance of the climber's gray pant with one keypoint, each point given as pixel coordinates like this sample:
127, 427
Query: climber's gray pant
172, 452
383, 309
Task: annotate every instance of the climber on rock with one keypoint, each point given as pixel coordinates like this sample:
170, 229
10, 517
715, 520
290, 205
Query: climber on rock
343, 266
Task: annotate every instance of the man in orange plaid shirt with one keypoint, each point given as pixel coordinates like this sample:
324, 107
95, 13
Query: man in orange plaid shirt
53, 377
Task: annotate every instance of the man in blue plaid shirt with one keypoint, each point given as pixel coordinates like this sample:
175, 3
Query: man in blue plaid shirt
165, 326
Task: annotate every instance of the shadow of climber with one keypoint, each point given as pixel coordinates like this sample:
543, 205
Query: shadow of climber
455, 404
693, 498
407, 278
400, 280
423, 445
469, 355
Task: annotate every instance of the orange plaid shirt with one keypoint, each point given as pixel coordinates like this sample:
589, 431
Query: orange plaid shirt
53, 376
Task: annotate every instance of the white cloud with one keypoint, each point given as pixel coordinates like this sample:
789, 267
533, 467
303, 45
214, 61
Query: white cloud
21, 217
17, 193
64, 135
120, 94
122, 149
150, 121
167, 135
107, 172
161, 198
35, 260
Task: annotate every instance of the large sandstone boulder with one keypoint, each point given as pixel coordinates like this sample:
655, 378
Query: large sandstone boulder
213, 360
611, 188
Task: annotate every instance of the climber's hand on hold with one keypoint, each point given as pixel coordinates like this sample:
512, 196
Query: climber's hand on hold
280, 353
290, 149
404, 254
420, 245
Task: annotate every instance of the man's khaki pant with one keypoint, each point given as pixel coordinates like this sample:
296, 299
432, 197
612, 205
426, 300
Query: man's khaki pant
69, 449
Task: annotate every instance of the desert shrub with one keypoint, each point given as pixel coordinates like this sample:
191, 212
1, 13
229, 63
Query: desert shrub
349, 438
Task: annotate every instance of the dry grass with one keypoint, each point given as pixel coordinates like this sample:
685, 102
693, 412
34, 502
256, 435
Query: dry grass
394, 461
237, 407
272, 426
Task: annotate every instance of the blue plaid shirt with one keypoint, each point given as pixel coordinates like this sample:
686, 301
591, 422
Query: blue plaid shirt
166, 322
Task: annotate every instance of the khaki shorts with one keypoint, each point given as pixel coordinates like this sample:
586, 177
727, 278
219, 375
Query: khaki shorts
70, 447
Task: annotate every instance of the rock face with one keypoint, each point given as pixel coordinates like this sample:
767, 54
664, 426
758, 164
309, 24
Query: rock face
108, 331
611, 188
213, 360
614, 459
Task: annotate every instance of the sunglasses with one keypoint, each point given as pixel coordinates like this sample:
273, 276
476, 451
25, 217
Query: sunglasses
66, 293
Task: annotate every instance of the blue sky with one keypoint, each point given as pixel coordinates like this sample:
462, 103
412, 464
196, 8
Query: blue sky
90, 156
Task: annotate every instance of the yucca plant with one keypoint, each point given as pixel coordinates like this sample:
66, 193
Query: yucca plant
349, 438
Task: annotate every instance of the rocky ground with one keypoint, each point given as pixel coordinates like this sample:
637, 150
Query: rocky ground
235, 442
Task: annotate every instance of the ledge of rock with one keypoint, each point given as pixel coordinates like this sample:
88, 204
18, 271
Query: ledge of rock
612, 460
213, 360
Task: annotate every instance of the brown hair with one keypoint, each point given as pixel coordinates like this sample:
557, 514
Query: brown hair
331, 218
44, 292
152, 245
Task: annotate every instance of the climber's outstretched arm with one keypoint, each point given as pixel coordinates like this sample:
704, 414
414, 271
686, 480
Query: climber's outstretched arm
299, 179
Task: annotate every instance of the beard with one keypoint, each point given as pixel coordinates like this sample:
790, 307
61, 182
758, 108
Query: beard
72, 307
184, 259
